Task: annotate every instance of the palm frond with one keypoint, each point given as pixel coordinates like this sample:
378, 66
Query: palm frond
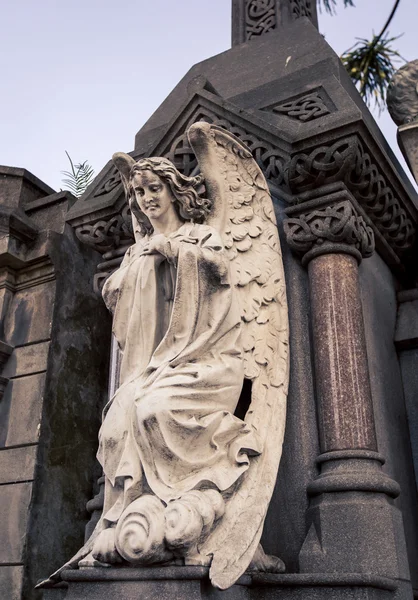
370, 64
79, 178
329, 5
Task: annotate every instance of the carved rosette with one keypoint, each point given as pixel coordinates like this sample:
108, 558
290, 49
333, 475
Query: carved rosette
333, 229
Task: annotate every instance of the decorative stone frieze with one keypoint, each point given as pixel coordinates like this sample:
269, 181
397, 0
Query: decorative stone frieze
260, 17
304, 108
345, 161
107, 234
254, 18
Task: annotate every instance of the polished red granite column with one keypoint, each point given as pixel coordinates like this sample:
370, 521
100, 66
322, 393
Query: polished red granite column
345, 404
353, 525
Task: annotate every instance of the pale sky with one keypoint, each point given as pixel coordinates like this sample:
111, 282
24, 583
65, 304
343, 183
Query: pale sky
85, 75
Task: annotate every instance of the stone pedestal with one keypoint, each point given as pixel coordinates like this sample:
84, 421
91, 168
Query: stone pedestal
192, 583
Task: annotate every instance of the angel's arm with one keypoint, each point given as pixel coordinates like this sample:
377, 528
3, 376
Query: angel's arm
203, 241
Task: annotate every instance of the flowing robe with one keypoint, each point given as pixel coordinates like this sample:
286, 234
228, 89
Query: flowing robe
170, 426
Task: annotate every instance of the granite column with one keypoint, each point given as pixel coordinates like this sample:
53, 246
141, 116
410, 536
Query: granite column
353, 524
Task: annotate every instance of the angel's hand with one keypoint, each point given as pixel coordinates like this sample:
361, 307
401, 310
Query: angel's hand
186, 239
155, 245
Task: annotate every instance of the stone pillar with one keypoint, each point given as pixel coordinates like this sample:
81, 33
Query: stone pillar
253, 18
354, 525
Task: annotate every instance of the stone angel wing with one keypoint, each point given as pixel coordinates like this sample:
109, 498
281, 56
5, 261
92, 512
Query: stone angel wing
243, 213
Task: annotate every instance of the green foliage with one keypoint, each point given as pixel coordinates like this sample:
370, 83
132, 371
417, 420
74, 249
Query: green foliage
329, 5
370, 64
79, 178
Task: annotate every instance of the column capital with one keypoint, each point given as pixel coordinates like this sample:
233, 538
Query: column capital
316, 228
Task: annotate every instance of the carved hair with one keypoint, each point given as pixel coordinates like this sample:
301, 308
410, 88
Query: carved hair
190, 206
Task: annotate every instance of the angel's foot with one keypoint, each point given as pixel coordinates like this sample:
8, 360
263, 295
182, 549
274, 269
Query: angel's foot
190, 519
266, 563
104, 550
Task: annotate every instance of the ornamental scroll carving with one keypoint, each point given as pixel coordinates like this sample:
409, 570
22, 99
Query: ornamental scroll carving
306, 108
260, 17
330, 229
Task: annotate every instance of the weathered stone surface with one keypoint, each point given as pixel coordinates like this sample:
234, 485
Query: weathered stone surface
19, 187
17, 464
379, 302
184, 584
11, 582
408, 143
22, 410
49, 213
409, 362
29, 316
402, 96
73, 398
14, 505
27, 360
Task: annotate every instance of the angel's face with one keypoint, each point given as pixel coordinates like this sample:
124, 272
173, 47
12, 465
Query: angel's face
154, 196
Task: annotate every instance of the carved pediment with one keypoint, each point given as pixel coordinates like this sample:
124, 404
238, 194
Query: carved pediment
294, 171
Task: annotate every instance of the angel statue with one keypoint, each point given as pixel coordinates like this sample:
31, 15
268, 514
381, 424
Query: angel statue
199, 305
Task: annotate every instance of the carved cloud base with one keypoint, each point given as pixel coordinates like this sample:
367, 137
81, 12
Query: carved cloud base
192, 583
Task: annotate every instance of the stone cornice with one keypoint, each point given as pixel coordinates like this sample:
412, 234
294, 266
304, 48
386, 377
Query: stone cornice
311, 169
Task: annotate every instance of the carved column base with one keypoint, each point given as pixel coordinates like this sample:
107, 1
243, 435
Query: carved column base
355, 526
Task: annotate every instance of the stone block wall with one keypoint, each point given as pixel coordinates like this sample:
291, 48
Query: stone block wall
54, 383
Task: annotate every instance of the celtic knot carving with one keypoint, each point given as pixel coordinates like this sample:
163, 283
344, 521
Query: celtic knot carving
109, 184
346, 160
268, 158
301, 8
330, 229
105, 235
260, 17
308, 107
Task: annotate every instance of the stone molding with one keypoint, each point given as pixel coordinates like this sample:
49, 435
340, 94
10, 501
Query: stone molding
296, 177
348, 161
336, 228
